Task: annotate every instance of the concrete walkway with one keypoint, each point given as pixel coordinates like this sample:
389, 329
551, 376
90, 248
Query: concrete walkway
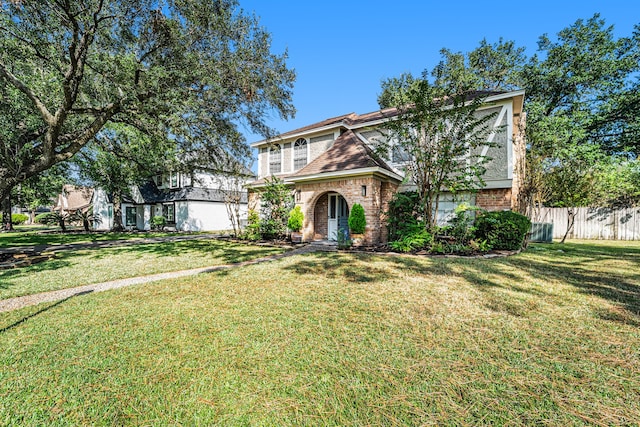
28, 300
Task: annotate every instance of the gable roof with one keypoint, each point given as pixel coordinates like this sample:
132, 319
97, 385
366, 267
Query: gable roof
347, 154
74, 198
353, 120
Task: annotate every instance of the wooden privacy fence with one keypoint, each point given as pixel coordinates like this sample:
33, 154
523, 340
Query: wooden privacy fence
592, 223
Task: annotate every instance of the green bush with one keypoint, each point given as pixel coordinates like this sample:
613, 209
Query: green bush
41, 218
417, 240
461, 226
503, 230
158, 222
344, 241
405, 215
296, 218
357, 221
19, 219
252, 231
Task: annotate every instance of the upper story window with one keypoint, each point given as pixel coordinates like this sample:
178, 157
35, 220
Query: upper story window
299, 154
399, 154
275, 159
173, 180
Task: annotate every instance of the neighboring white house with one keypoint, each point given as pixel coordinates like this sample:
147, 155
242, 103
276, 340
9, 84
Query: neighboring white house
188, 202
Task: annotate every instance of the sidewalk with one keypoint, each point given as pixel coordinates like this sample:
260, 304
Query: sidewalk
28, 300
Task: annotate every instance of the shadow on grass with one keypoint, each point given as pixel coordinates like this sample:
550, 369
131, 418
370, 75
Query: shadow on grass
219, 252
361, 268
42, 310
565, 263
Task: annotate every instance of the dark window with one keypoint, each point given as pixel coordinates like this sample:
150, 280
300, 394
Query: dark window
168, 211
130, 216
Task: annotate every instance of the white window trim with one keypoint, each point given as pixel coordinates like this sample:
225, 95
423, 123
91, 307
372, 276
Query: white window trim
281, 158
293, 153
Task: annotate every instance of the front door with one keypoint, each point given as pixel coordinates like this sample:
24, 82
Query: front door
338, 216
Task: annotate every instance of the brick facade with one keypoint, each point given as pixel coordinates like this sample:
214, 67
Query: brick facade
314, 204
498, 199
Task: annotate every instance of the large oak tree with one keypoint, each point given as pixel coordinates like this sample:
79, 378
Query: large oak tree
188, 70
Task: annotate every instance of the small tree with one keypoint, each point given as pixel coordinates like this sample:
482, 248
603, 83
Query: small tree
56, 218
357, 220
87, 217
296, 219
441, 131
276, 201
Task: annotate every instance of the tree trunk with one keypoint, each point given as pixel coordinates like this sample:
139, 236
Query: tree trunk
7, 224
117, 213
571, 219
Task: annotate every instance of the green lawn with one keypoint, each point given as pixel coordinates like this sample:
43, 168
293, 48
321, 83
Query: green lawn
547, 337
72, 268
31, 237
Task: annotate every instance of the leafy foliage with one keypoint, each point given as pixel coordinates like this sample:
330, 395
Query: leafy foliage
186, 71
252, 231
158, 222
19, 219
503, 229
87, 217
275, 203
417, 239
296, 219
357, 221
404, 215
439, 127
55, 218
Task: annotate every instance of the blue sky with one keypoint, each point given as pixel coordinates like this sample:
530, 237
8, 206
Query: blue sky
342, 50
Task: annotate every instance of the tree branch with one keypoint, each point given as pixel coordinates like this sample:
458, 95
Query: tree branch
42, 109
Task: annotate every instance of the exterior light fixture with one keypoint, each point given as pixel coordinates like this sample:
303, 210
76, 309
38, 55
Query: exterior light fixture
298, 195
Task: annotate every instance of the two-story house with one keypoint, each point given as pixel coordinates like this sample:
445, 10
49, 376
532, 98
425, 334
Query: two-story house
188, 201
331, 165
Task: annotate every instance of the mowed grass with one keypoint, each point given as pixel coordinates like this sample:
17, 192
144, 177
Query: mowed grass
72, 268
33, 236
547, 337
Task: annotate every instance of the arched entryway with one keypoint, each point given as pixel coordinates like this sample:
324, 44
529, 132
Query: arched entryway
330, 216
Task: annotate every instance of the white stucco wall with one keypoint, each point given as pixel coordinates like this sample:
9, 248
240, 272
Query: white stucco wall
103, 208
204, 216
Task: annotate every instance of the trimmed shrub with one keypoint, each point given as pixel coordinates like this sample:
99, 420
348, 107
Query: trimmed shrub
19, 219
357, 221
503, 230
296, 218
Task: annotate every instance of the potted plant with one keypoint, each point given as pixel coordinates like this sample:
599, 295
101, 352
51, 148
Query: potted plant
357, 224
296, 218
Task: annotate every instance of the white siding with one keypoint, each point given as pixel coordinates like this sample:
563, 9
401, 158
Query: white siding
101, 207
203, 216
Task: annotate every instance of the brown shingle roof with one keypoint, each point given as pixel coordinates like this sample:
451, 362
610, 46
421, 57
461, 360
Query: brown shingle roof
74, 198
347, 153
353, 119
